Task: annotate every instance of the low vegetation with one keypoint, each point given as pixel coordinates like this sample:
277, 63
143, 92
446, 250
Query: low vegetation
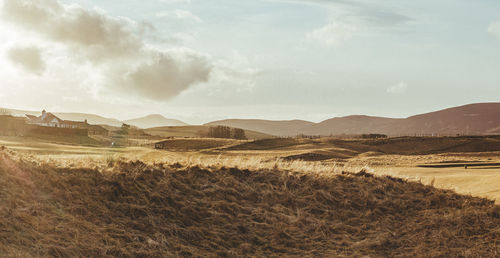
226, 132
129, 208
422, 145
268, 144
201, 131
195, 144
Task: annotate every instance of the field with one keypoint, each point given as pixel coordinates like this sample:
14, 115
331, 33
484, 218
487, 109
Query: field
195, 131
270, 197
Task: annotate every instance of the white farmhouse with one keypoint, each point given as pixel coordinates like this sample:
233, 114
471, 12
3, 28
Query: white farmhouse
49, 120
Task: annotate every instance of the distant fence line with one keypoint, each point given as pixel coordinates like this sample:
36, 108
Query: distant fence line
378, 136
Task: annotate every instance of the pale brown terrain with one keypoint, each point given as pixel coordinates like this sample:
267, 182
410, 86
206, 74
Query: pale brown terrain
268, 128
268, 197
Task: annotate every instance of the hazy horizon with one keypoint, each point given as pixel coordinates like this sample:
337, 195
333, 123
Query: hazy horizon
200, 61
238, 118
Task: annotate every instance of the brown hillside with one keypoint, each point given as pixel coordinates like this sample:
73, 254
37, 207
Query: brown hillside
351, 125
473, 119
422, 145
133, 210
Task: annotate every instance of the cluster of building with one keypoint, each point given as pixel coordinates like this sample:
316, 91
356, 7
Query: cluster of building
48, 119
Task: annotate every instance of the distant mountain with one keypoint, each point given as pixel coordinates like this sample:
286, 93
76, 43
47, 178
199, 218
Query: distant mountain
154, 121
482, 118
473, 119
278, 128
351, 125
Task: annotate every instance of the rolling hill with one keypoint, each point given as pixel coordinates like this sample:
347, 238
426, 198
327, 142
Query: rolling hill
473, 119
155, 120
278, 128
162, 210
483, 118
351, 125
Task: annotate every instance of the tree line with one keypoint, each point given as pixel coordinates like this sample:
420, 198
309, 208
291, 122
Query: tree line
226, 132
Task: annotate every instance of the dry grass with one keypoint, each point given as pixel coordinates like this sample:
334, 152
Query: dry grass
196, 144
132, 209
195, 131
422, 145
269, 144
190, 159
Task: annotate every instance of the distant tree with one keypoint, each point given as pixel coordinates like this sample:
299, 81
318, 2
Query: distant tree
219, 132
224, 132
239, 134
212, 132
373, 136
124, 129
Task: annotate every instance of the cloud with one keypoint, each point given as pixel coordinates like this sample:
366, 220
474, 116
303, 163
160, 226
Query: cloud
494, 29
332, 34
235, 73
103, 41
350, 17
371, 12
398, 88
181, 15
94, 32
179, 70
29, 58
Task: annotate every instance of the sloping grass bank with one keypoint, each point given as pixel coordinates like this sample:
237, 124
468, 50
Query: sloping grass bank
132, 209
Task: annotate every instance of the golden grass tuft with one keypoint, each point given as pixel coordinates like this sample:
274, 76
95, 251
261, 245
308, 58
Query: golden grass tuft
133, 209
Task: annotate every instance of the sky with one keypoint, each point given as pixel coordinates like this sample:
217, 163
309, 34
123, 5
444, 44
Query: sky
204, 60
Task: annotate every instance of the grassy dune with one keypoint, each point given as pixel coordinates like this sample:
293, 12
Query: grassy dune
195, 144
269, 144
134, 209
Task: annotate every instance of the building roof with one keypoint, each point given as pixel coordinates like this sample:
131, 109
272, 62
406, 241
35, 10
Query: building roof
47, 117
44, 118
31, 117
